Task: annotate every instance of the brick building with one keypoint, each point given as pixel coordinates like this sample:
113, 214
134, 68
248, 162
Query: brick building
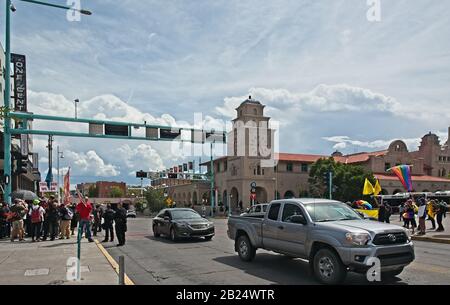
102, 188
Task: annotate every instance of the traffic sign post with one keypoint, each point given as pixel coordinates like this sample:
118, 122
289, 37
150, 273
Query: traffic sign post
253, 193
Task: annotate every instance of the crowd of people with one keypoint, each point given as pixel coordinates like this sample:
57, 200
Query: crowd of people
44, 219
432, 210
414, 208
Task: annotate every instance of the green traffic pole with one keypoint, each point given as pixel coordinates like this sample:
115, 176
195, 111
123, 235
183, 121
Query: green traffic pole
80, 233
7, 103
331, 185
212, 181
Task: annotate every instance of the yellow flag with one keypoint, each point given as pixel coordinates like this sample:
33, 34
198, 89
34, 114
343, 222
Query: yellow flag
377, 188
368, 188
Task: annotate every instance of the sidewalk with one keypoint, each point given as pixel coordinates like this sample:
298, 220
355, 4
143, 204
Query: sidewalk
431, 235
45, 263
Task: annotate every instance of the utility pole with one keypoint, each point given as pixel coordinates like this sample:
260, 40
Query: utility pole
212, 180
49, 178
60, 155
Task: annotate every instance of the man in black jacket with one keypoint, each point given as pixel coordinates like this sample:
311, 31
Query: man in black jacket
52, 220
120, 220
108, 216
98, 215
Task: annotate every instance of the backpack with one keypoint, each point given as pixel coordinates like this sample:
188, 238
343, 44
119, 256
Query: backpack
36, 215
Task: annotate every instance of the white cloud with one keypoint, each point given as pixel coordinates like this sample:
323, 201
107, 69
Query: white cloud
323, 98
91, 164
143, 157
343, 142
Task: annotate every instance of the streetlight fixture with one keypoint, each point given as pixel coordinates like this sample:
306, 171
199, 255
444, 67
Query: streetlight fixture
7, 93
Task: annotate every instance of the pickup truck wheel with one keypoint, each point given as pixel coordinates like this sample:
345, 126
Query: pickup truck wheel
328, 267
245, 249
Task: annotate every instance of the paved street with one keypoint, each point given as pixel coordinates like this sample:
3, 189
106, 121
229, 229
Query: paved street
46, 263
159, 261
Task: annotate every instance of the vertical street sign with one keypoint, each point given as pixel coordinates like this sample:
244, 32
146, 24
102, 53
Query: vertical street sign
20, 82
24, 144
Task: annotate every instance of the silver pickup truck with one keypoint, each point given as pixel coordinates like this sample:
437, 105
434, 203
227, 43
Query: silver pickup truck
329, 234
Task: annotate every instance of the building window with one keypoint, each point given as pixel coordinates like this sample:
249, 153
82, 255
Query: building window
290, 167
263, 171
218, 167
387, 166
304, 168
225, 166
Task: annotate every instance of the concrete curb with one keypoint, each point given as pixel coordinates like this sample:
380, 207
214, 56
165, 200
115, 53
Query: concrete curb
113, 263
432, 240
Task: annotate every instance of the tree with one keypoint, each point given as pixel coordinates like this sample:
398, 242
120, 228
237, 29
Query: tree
93, 191
155, 199
348, 180
116, 192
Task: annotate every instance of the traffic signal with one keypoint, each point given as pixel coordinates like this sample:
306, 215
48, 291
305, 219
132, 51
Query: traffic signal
22, 164
141, 174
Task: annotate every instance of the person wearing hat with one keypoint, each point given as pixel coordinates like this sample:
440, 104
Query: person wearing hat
36, 215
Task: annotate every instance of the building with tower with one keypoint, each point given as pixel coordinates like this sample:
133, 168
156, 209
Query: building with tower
244, 164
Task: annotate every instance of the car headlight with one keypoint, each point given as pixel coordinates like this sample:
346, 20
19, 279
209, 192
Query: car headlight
408, 235
211, 224
359, 239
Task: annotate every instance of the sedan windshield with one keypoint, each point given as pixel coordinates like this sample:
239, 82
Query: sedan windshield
185, 214
331, 211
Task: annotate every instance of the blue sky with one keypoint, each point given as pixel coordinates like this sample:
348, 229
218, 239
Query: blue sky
332, 78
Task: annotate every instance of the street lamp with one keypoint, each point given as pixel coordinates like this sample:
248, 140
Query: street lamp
59, 155
7, 93
76, 104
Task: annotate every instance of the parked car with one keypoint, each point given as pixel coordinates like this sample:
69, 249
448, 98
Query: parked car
332, 236
258, 210
131, 212
179, 223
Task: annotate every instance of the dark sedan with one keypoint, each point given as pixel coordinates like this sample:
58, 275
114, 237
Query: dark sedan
182, 223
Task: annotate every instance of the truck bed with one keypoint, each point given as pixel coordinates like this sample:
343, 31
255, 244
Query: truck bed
250, 224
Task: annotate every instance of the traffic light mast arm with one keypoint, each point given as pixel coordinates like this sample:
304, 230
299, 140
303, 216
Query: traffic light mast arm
25, 117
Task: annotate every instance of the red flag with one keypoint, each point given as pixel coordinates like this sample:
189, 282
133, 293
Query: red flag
67, 188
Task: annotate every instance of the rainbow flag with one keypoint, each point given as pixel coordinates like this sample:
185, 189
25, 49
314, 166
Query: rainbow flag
403, 172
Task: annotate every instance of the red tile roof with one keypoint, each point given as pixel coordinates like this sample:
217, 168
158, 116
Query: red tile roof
355, 158
299, 157
423, 178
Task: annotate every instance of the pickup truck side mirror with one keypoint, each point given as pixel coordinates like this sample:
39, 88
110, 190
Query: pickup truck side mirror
166, 218
299, 219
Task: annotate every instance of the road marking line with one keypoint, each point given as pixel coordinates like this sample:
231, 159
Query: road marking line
113, 263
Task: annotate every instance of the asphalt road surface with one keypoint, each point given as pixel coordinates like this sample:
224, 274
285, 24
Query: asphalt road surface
159, 261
